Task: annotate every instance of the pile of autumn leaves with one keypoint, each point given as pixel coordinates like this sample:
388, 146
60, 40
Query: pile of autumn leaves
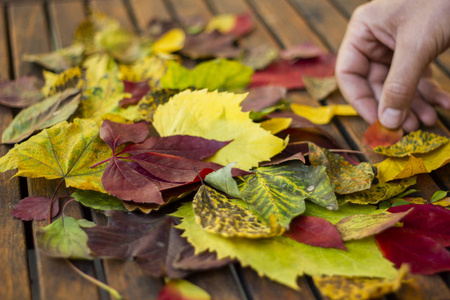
133, 130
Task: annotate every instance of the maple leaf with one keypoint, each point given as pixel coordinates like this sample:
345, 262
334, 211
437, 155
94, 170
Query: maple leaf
378, 135
103, 90
64, 238
151, 240
236, 24
283, 259
322, 115
281, 190
40, 115
379, 192
181, 289
404, 167
216, 74
259, 57
320, 87
363, 225
20, 92
66, 150
262, 97
218, 116
302, 51
315, 231
34, 208
346, 177
228, 217
210, 44
59, 60
147, 106
137, 91
343, 288
414, 143
286, 74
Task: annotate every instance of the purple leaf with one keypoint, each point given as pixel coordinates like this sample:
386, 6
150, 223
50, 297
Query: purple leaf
21, 92
211, 44
35, 208
262, 97
115, 134
137, 91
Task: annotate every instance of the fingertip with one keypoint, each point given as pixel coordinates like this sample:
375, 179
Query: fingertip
392, 118
411, 123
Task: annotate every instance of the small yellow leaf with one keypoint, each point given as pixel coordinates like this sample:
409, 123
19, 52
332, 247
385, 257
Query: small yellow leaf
323, 114
222, 23
218, 116
170, 42
276, 125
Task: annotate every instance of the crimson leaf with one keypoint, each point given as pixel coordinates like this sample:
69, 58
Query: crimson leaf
34, 208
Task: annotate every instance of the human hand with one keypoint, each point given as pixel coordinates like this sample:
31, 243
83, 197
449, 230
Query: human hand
385, 56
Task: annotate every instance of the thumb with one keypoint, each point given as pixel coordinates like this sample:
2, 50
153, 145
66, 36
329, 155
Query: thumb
399, 89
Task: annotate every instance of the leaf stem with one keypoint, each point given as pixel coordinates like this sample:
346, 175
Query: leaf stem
64, 207
95, 281
50, 209
100, 163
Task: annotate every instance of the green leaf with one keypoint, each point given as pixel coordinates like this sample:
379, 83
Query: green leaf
414, 143
66, 150
282, 259
334, 216
223, 181
400, 202
380, 192
219, 74
103, 90
65, 238
281, 190
59, 60
41, 115
346, 177
439, 195
229, 217
97, 200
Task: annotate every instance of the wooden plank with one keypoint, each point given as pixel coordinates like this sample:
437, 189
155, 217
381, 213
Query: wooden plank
144, 11
56, 278
115, 9
65, 17
13, 250
347, 6
356, 127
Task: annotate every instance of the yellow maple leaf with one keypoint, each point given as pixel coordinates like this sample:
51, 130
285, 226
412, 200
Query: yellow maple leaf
323, 114
171, 41
218, 116
404, 167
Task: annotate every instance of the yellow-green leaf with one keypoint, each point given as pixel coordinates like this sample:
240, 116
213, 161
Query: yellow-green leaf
323, 114
171, 41
66, 150
226, 217
380, 192
413, 143
56, 83
404, 167
346, 177
215, 74
283, 259
218, 116
281, 190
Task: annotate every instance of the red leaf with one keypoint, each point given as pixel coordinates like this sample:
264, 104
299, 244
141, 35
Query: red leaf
302, 51
192, 147
378, 135
137, 91
243, 25
315, 231
423, 254
262, 97
115, 134
430, 220
289, 75
34, 208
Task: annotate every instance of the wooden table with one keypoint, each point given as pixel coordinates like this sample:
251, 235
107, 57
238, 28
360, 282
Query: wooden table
38, 26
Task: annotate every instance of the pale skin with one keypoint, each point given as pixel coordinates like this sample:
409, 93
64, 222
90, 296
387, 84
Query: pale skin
383, 64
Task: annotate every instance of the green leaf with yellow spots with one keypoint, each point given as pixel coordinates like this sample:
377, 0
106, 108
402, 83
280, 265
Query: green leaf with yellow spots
281, 190
416, 142
283, 259
56, 83
346, 177
220, 74
66, 150
43, 114
147, 105
229, 217
103, 90
379, 192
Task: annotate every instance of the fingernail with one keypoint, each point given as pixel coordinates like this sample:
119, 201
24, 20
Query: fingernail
392, 117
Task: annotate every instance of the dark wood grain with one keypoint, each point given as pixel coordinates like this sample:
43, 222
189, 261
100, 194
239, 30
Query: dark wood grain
115, 9
144, 11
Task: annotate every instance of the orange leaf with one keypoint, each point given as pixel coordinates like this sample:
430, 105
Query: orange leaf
378, 135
